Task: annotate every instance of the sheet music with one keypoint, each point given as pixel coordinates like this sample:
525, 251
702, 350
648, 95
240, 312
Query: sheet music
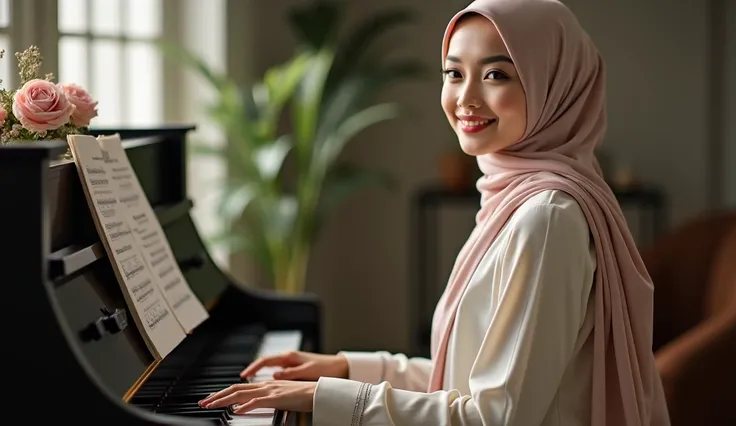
157, 253
159, 328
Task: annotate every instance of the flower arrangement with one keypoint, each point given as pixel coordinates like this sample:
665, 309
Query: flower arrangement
40, 109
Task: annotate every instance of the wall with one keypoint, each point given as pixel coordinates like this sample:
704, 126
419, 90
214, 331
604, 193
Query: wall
729, 110
657, 85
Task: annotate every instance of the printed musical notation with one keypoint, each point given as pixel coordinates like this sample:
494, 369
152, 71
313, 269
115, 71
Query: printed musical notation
155, 314
151, 239
161, 331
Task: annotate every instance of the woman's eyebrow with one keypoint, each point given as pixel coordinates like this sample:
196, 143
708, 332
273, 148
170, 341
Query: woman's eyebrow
484, 61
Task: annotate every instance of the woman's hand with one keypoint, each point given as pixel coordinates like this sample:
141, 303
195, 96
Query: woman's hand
277, 394
301, 366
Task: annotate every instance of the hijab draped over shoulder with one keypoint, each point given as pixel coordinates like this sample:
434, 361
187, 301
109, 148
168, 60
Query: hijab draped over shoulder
563, 77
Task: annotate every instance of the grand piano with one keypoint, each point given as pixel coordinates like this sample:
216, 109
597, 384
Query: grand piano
75, 354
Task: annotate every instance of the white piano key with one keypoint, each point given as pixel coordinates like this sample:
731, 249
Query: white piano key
274, 342
251, 420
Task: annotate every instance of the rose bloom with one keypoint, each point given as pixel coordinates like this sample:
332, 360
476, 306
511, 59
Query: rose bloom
86, 107
40, 106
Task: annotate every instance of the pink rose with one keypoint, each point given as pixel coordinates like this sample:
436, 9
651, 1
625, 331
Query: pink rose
3, 115
86, 107
40, 106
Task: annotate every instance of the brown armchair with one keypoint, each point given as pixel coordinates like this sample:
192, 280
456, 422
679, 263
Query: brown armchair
694, 274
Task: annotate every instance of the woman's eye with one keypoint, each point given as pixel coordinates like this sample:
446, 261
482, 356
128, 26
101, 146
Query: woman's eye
452, 73
496, 75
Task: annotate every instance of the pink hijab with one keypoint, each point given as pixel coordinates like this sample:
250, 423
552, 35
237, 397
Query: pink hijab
564, 81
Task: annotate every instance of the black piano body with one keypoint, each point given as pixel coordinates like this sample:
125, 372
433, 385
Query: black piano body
59, 283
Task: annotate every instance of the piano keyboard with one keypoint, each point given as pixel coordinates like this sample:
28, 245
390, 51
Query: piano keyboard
176, 386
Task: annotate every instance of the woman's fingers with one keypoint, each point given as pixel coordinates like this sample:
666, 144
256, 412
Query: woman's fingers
260, 402
279, 394
235, 394
280, 360
303, 371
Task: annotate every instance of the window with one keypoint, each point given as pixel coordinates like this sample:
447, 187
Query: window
105, 46
9, 58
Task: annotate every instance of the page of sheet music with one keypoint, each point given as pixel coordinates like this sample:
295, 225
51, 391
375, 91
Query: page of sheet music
152, 240
152, 315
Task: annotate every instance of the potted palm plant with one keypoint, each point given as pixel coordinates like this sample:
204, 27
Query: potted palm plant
328, 87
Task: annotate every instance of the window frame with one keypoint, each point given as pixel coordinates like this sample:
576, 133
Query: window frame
35, 22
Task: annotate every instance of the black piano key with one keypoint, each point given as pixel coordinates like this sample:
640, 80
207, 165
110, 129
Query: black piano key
203, 381
207, 414
196, 369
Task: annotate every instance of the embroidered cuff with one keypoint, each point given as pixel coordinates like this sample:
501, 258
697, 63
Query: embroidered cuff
340, 402
365, 367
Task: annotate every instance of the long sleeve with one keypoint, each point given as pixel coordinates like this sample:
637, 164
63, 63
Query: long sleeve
398, 369
541, 269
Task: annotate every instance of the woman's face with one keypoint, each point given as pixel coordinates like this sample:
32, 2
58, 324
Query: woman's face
482, 95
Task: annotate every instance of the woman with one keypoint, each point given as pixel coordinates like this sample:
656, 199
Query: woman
546, 319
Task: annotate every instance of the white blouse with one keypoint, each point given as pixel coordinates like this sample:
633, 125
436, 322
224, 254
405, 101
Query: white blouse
520, 352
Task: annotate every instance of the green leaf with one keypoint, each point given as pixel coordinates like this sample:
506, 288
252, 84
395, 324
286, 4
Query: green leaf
279, 84
344, 102
269, 159
281, 81
358, 122
234, 242
357, 89
235, 199
238, 239
316, 24
358, 43
282, 218
308, 99
255, 101
218, 80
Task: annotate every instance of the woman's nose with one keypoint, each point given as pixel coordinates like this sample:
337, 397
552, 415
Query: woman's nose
468, 97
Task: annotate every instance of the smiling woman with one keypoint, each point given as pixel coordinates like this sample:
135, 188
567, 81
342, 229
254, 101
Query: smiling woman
482, 94
546, 317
